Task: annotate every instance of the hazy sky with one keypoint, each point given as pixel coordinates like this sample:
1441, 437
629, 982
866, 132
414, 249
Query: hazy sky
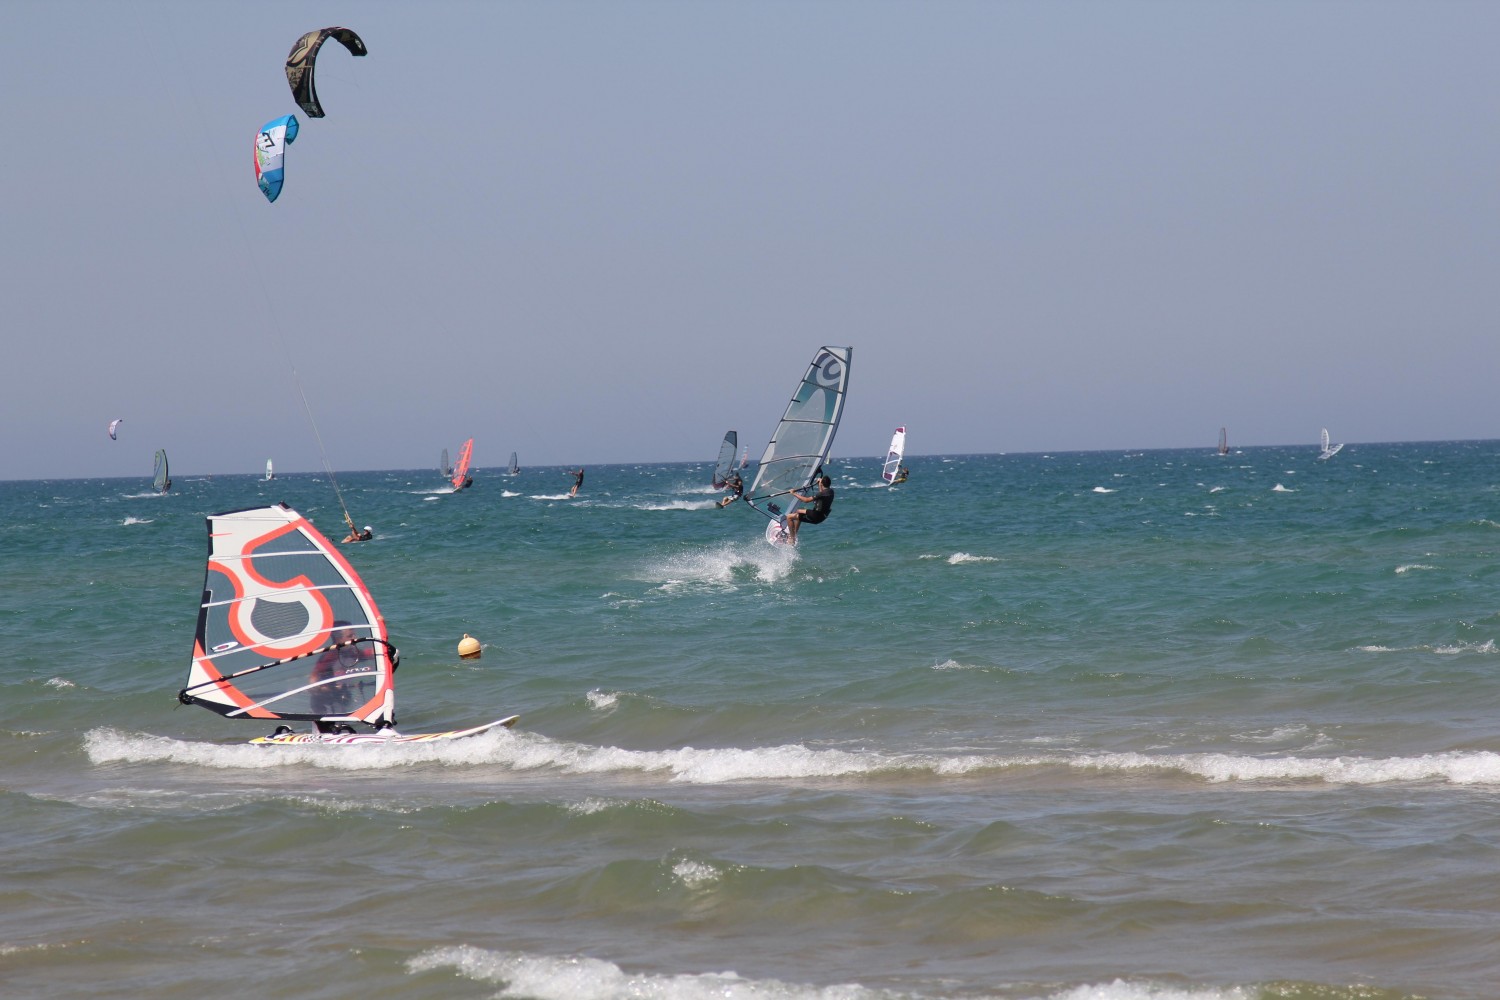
609, 231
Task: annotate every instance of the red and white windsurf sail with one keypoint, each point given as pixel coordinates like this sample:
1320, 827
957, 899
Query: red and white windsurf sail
287, 630
461, 467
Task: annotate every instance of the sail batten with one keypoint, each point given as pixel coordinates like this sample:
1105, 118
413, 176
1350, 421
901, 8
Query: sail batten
800, 444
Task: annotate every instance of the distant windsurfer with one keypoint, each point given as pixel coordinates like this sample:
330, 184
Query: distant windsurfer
822, 503
331, 696
577, 482
736, 487
901, 476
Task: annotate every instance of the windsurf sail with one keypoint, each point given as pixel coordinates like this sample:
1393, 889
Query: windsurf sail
444, 466
725, 465
799, 446
159, 477
270, 472
515, 467
745, 458
893, 455
1328, 451
286, 628
461, 470
1223, 441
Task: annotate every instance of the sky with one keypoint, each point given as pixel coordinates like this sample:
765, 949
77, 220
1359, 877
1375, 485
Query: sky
596, 232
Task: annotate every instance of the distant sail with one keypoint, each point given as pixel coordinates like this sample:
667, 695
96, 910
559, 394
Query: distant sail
276, 594
799, 446
893, 455
725, 464
1223, 441
444, 466
515, 467
159, 476
461, 470
270, 473
1327, 450
113, 426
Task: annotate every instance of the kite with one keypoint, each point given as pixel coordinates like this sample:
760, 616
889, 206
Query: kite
112, 425
270, 147
299, 65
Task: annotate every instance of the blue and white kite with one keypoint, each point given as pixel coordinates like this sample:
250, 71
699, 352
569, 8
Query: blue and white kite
270, 147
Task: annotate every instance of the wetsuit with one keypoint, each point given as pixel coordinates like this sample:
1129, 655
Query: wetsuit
821, 505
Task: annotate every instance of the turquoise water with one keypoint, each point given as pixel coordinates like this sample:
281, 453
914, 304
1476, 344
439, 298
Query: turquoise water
1090, 726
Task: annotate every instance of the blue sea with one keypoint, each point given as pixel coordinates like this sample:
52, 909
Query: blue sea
1155, 725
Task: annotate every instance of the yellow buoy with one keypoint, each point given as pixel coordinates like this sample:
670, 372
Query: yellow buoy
469, 648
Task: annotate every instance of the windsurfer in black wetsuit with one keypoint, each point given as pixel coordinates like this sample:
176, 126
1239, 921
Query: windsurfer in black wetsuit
822, 503
736, 487
577, 482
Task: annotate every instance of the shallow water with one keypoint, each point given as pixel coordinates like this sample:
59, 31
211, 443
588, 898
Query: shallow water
1108, 726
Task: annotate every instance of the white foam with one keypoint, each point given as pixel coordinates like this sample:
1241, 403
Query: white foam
577, 977
602, 700
679, 505
1101, 489
135, 520
1121, 990
717, 565
1412, 566
1456, 768
531, 752
695, 873
547, 977
959, 558
1278, 488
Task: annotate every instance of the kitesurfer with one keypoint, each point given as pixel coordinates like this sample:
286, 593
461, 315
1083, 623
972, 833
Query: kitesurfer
736, 487
822, 503
577, 482
335, 697
356, 535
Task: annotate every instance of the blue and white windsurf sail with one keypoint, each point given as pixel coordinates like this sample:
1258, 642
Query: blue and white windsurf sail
159, 475
800, 444
514, 468
1327, 451
286, 628
725, 464
894, 455
445, 466
270, 471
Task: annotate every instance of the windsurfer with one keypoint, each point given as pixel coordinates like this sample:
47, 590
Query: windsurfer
822, 503
577, 482
901, 475
335, 697
736, 487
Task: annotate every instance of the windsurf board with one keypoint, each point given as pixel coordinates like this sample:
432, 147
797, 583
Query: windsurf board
382, 737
